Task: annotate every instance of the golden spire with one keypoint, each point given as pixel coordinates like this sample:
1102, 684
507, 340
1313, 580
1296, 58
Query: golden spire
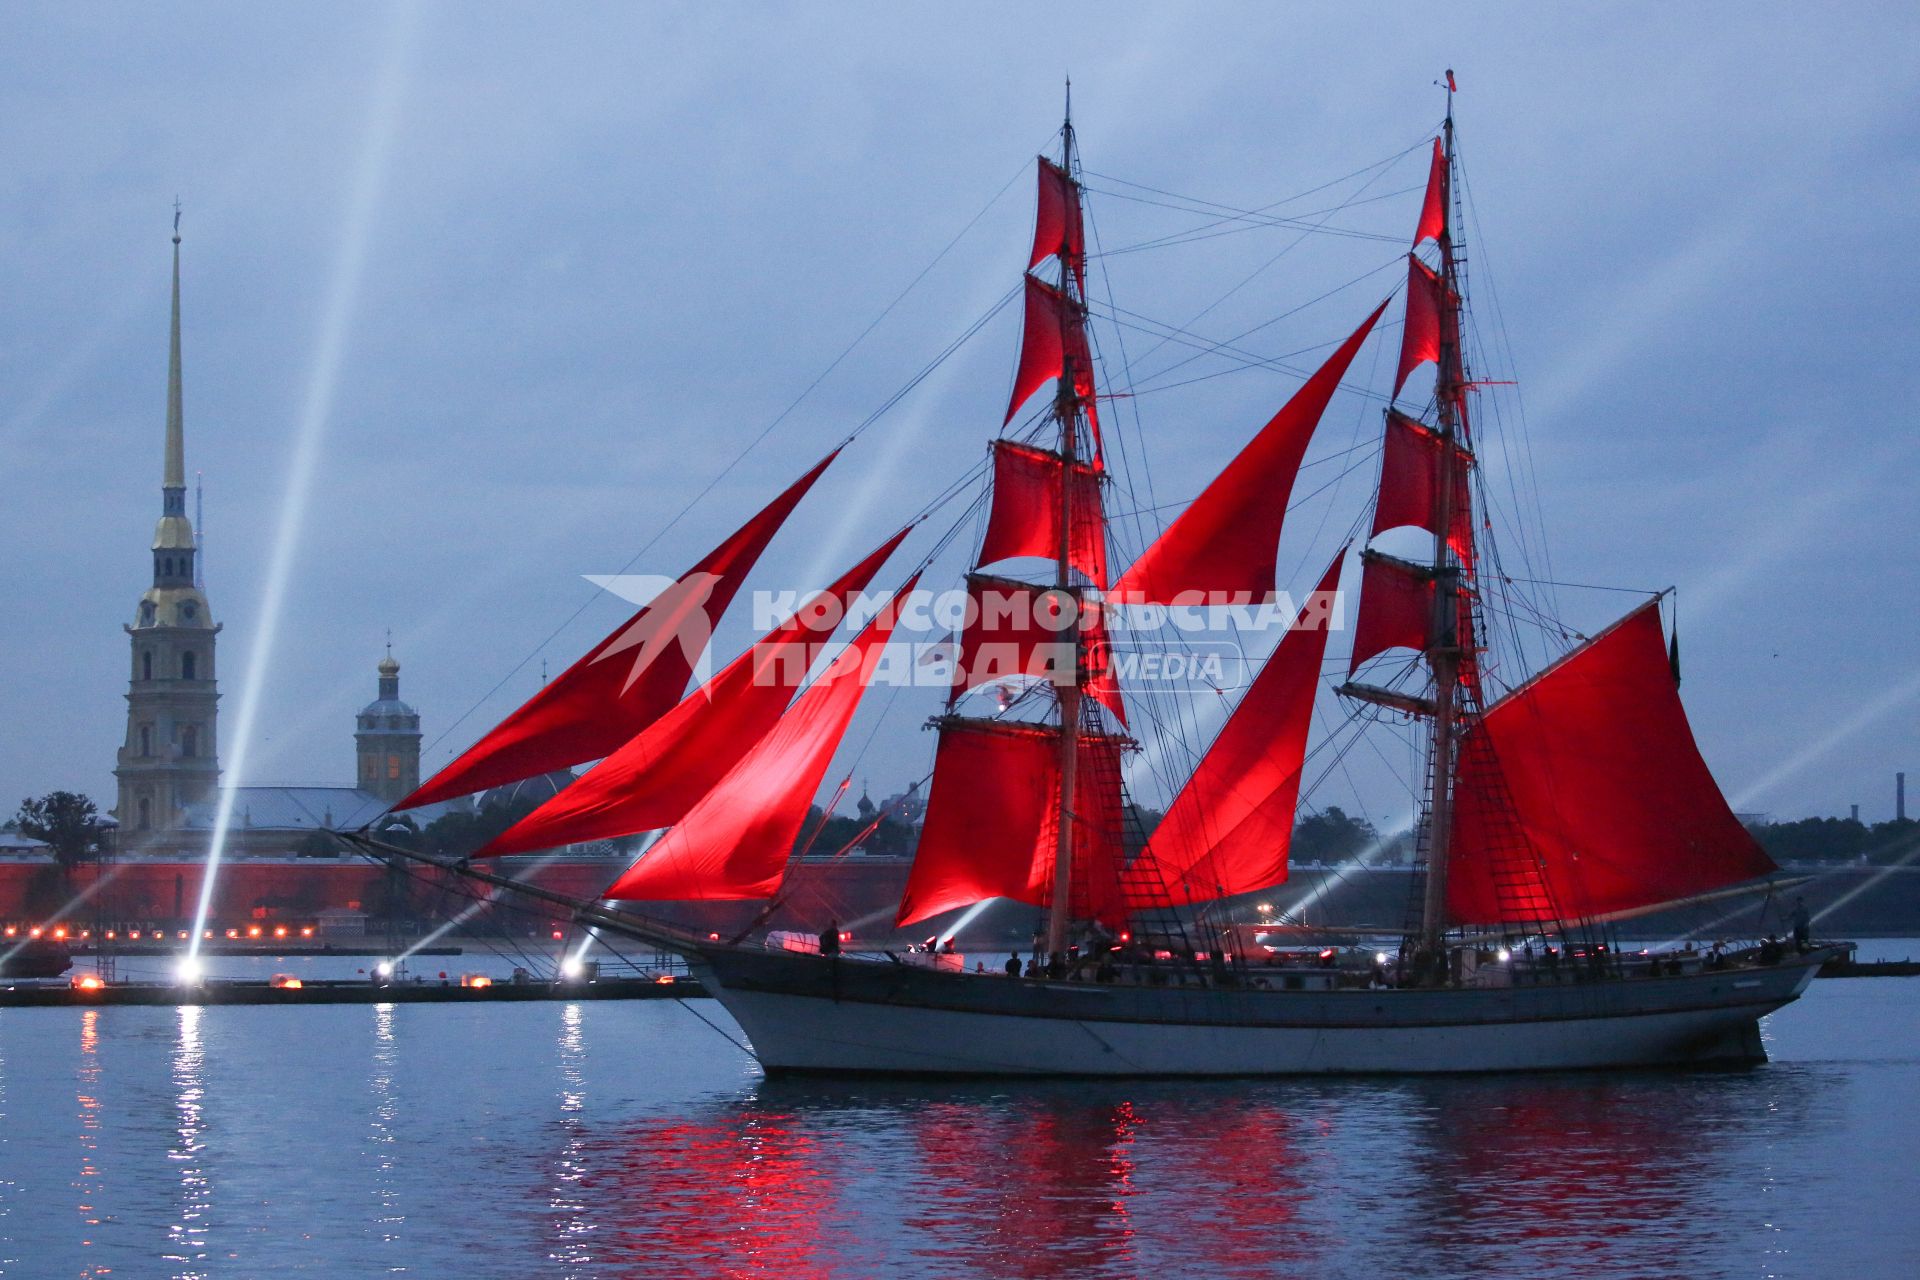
174, 481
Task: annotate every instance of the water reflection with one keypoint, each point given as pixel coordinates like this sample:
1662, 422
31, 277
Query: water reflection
573, 1212
87, 1098
382, 1142
1549, 1175
1564, 1174
187, 1233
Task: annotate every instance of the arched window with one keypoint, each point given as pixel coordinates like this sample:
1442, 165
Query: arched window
146, 739
146, 664
146, 613
146, 813
188, 661
190, 741
393, 767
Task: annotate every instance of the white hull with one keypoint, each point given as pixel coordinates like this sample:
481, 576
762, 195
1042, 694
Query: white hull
1101, 1031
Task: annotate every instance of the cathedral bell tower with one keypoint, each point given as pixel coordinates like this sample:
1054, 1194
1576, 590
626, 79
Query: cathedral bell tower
386, 740
170, 758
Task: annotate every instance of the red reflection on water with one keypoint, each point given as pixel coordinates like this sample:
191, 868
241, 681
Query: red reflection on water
739, 1194
1036, 1182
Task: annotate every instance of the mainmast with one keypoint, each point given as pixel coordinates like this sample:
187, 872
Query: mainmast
1067, 409
1448, 647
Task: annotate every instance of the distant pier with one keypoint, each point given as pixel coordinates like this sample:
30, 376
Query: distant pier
23, 994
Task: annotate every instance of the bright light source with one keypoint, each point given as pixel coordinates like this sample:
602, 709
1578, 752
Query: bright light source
307, 931
572, 968
207, 934
1505, 955
384, 969
279, 931
1266, 908
1379, 957
189, 971
253, 931
665, 979
233, 933
35, 932
60, 932
286, 982
475, 980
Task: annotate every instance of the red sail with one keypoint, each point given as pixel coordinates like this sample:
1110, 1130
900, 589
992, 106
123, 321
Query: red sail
1420, 340
662, 772
1042, 346
1057, 226
1593, 765
1396, 608
736, 841
1054, 331
1433, 212
1225, 542
1229, 829
624, 683
1410, 485
1026, 510
1017, 629
991, 822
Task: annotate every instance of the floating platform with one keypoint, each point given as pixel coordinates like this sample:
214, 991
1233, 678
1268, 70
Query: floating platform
338, 991
1844, 968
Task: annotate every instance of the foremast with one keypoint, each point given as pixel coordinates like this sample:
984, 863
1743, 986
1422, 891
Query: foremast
1451, 632
1069, 406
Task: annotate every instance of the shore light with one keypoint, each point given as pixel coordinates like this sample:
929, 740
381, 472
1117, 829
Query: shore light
189, 971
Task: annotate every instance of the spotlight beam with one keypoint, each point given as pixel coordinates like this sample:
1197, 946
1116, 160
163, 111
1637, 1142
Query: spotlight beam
336, 315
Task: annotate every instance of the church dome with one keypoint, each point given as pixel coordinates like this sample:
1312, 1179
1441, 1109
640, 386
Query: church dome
387, 711
529, 793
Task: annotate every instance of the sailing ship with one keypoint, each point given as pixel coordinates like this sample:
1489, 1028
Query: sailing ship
1551, 806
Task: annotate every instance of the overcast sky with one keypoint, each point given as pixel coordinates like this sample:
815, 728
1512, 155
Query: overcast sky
498, 288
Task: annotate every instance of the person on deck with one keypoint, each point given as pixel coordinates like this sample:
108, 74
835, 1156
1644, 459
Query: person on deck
1013, 965
1802, 926
830, 939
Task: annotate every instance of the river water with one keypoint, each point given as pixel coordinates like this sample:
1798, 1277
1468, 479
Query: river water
634, 1139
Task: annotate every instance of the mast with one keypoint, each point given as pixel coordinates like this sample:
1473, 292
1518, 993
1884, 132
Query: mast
1066, 408
1445, 654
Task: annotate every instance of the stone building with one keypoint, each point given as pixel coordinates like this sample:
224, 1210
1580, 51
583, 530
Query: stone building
170, 757
386, 740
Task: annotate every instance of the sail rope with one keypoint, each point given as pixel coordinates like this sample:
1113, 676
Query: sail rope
759, 437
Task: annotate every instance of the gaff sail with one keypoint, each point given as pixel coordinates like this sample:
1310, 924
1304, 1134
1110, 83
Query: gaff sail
1595, 764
